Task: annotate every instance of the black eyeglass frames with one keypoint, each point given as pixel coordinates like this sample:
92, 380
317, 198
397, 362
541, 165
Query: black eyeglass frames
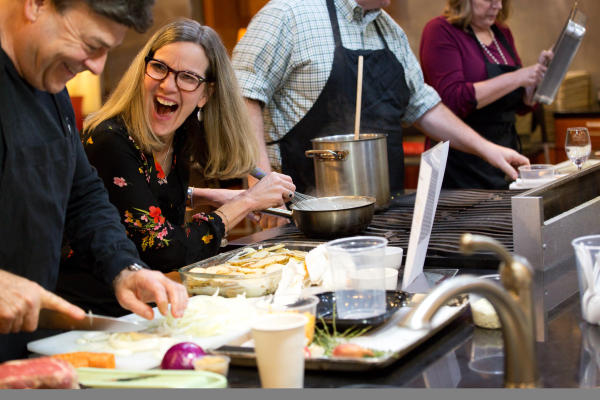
185, 80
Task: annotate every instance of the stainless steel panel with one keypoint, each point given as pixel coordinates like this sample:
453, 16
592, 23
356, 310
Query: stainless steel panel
545, 221
564, 49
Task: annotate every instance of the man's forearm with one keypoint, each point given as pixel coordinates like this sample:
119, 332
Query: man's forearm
256, 119
441, 124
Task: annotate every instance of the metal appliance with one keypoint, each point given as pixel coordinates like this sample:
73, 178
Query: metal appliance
545, 221
484, 212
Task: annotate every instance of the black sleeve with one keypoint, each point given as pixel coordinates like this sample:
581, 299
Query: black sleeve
92, 224
129, 175
2, 150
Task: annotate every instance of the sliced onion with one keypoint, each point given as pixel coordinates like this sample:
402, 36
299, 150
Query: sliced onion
182, 356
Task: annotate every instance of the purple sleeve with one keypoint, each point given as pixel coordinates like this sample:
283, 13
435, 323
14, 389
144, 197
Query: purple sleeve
451, 63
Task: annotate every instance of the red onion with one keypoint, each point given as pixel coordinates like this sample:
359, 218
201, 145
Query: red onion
182, 356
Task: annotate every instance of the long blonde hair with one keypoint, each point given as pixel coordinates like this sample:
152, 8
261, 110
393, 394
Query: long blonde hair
460, 13
223, 146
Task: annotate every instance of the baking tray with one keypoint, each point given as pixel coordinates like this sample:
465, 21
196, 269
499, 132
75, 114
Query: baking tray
405, 340
232, 285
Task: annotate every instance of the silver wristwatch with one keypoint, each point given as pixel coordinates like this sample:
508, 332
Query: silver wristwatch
134, 267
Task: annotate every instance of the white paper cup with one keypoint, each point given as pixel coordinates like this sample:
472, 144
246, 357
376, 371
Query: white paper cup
358, 276
279, 348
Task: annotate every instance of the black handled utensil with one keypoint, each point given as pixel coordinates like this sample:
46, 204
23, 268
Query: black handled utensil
298, 197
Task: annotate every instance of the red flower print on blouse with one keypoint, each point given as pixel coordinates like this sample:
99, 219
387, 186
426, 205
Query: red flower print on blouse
120, 182
155, 213
159, 171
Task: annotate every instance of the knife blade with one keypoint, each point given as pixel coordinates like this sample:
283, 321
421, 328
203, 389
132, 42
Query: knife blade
51, 319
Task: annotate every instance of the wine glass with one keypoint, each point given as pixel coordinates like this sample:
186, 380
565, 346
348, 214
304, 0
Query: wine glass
578, 146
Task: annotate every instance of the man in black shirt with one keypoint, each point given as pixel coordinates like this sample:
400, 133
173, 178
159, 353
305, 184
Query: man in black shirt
47, 187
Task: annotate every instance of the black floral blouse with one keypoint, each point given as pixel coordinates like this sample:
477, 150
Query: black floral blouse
152, 205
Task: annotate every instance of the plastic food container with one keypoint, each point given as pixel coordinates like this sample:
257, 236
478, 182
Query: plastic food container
217, 364
258, 278
229, 285
484, 314
537, 171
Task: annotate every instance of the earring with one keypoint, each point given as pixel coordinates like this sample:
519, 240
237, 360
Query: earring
199, 114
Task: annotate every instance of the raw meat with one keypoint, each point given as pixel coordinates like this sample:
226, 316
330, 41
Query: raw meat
38, 373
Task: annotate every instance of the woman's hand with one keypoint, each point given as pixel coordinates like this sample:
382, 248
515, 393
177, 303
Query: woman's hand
534, 76
530, 76
545, 57
272, 191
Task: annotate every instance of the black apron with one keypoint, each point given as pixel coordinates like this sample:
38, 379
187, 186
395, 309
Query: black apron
385, 96
496, 123
34, 187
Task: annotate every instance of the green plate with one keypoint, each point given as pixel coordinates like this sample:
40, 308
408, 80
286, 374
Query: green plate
154, 378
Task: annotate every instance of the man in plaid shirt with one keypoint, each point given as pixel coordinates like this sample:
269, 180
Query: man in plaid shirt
297, 67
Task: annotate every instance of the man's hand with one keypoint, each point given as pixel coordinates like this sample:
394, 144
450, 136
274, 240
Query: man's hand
441, 124
136, 288
21, 301
506, 159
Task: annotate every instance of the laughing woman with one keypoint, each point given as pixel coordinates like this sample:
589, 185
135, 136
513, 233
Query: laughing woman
177, 107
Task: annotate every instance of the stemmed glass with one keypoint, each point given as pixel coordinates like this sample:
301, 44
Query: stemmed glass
578, 146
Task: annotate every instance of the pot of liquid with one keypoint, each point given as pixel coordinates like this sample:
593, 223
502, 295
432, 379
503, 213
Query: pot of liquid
352, 167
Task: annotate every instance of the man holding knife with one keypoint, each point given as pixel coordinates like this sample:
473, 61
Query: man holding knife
47, 186
297, 66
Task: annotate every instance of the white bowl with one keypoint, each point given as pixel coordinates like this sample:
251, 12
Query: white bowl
393, 257
391, 278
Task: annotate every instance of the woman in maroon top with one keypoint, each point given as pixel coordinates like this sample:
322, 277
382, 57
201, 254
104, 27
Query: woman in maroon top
468, 55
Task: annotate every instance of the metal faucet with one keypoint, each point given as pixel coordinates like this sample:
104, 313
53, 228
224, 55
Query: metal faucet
513, 304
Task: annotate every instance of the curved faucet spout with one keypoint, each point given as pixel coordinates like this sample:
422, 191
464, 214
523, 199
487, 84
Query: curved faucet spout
520, 370
513, 304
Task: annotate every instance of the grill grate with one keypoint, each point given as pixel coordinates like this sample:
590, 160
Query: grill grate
485, 212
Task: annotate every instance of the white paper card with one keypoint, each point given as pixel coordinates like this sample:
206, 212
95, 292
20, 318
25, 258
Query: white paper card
431, 174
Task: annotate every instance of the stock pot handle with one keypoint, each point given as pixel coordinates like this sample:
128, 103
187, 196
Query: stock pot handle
329, 155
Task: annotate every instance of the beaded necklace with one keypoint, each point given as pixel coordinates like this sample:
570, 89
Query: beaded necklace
489, 53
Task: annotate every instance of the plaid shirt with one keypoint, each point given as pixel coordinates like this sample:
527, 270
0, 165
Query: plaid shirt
285, 58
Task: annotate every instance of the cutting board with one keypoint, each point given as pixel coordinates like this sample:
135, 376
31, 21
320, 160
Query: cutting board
68, 342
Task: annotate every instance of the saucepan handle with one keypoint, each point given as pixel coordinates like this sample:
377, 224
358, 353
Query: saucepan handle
278, 212
329, 155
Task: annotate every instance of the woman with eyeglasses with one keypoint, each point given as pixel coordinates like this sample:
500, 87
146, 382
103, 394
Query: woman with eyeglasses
177, 107
468, 55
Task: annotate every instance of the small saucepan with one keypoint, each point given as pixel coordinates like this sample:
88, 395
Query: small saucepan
328, 217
